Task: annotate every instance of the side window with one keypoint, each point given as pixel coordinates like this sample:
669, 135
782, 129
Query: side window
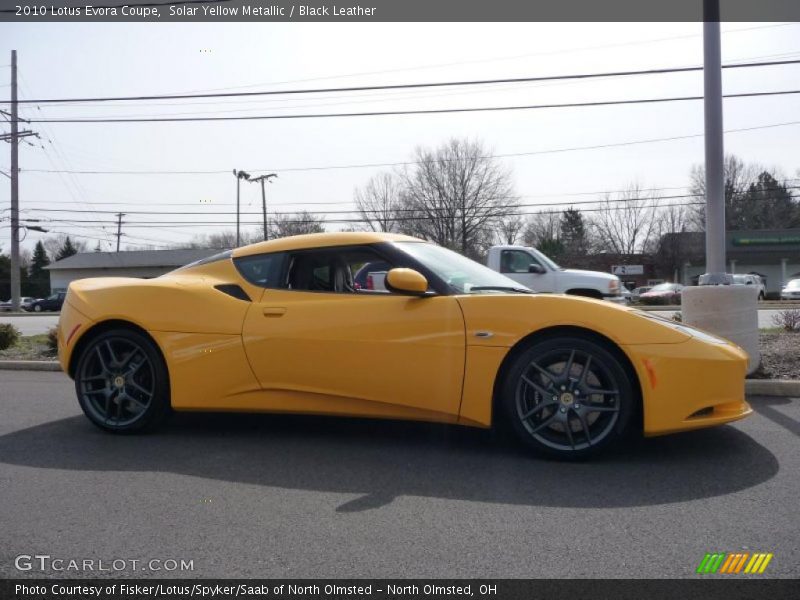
516, 261
263, 270
345, 270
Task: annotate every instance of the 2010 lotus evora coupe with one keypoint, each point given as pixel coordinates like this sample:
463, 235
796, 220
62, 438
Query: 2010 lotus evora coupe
281, 326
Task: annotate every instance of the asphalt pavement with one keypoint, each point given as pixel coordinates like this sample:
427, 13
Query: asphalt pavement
291, 496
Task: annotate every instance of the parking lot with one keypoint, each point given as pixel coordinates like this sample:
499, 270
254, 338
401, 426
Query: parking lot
284, 496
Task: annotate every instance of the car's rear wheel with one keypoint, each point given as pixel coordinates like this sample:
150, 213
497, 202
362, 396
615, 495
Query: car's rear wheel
122, 382
568, 397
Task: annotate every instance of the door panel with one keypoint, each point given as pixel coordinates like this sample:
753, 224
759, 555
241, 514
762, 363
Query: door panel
374, 347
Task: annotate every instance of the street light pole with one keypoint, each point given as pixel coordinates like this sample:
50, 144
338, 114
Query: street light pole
239, 176
262, 179
714, 152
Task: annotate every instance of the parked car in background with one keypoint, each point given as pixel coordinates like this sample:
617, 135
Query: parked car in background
753, 281
52, 303
626, 295
791, 291
372, 276
24, 304
533, 269
663, 293
637, 292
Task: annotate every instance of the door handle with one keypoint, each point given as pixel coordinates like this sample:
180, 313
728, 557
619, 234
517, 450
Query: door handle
274, 311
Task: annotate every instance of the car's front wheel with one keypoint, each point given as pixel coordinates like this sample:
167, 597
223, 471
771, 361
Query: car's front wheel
568, 397
37, 307
122, 382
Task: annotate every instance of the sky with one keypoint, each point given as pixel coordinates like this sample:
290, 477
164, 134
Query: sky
67, 60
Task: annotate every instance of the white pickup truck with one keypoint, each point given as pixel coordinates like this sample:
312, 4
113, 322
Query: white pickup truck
533, 269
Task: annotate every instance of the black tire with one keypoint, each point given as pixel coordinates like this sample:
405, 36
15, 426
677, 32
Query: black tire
761, 296
562, 414
122, 382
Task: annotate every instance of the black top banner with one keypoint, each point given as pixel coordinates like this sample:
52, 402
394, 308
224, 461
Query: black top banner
264, 11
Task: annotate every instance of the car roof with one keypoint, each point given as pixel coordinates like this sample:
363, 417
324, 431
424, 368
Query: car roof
321, 240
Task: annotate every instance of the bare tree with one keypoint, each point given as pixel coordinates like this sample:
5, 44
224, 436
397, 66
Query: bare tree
285, 224
455, 194
378, 202
543, 231
625, 222
667, 244
510, 228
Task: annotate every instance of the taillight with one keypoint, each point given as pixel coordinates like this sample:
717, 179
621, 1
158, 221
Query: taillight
370, 284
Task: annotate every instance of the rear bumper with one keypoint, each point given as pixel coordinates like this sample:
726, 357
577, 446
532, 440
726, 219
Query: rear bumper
690, 385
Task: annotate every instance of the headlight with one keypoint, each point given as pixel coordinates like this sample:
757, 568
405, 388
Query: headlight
613, 286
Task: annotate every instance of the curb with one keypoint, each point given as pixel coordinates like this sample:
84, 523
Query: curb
29, 365
44, 313
773, 387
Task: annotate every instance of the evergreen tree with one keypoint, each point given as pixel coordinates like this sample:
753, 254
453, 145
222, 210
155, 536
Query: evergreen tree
573, 232
66, 250
39, 277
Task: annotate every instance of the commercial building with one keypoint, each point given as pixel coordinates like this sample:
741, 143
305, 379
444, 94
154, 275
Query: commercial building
134, 263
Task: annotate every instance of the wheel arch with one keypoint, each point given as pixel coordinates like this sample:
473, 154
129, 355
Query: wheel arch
102, 327
561, 330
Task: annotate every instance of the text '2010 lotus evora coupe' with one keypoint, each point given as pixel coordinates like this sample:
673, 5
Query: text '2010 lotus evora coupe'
282, 326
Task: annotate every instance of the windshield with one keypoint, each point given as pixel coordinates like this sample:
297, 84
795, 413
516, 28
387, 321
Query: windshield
546, 260
663, 287
460, 273
794, 283
739, 279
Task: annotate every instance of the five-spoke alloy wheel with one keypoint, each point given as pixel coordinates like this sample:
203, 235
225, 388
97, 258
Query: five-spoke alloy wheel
122, 382
568, 397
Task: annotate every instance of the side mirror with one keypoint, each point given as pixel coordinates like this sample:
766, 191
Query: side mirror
406, 281
534, 268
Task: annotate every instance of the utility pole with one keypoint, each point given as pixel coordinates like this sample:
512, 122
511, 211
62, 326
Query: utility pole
15, 283
119, 228
262, 179
239, 176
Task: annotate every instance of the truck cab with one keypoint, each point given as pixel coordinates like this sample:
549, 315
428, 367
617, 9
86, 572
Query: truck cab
537, 271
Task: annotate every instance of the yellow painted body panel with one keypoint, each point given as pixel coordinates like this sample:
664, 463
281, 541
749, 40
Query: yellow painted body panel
383, 355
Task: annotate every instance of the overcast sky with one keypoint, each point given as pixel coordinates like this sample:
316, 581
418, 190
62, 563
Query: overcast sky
72, 60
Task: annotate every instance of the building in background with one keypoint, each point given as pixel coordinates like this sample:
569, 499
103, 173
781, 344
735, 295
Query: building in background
774, 254
133, 263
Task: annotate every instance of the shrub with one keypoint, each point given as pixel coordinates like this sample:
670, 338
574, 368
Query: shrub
8, 335
788, 319
52, 339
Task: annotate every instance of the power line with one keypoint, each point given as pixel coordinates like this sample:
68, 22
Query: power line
654, 200
404, 86
415, 112
417, 162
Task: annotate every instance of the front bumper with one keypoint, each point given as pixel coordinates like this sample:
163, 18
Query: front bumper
690, 385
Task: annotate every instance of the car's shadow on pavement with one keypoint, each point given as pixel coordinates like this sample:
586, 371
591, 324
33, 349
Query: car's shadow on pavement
382, 460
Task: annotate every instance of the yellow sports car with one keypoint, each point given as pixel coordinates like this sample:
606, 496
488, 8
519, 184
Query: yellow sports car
388, 326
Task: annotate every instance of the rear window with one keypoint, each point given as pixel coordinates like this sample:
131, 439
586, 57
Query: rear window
205, 261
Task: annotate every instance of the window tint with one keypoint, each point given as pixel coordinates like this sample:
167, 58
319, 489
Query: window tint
516, 261
339, 270
263, 270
